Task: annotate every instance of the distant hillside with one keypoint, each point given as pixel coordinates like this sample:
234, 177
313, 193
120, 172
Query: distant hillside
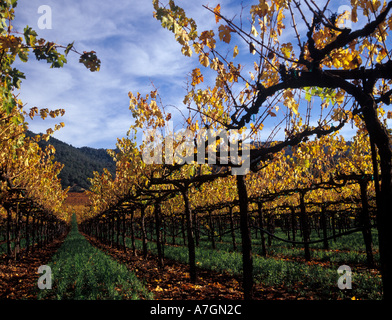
79, 163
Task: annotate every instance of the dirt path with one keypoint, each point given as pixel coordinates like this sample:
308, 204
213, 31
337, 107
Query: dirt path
18, 279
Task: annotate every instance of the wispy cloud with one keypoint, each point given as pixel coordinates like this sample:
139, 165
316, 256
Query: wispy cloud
135, 52
134, 49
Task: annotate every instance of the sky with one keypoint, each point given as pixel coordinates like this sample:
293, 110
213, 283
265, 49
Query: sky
136, 55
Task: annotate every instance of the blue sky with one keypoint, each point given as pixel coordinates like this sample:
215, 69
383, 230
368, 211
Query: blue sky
135, 51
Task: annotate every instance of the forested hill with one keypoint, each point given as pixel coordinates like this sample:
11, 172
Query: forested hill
79, 163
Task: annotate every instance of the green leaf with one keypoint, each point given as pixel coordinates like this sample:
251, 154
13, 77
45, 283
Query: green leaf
23, 55
192, 171
30, 35
18, 119
3, 23
69, 47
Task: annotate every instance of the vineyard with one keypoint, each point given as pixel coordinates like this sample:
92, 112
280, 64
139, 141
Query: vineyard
313, 221
215, 211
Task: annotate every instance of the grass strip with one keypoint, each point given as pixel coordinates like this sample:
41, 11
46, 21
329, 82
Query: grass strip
348, 249
300, 278
83, 272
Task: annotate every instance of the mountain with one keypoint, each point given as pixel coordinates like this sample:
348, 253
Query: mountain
79, 163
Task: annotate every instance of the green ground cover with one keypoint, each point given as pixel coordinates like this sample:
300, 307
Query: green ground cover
279, 269
83, 272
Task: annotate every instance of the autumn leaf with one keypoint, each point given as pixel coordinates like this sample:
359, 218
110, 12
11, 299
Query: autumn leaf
197, 77
215, 64
207, 39
235, 51
261, 9
252, 48
339, 98
204, 60
290, 102
217, 13
287, 49
225, 33
271, 55
186, 50
382, 54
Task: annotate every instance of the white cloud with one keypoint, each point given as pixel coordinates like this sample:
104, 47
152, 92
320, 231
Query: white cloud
134, 51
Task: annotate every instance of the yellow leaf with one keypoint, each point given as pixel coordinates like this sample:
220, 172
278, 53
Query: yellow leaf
197, 77
235, 51
264, 7
254, 31
217, 13
290, 101
207, 39
261, 9
287, 49
204, 61
215, 64
382, 54
355, 62
252, 48
186, 50
339, 97
294, 106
